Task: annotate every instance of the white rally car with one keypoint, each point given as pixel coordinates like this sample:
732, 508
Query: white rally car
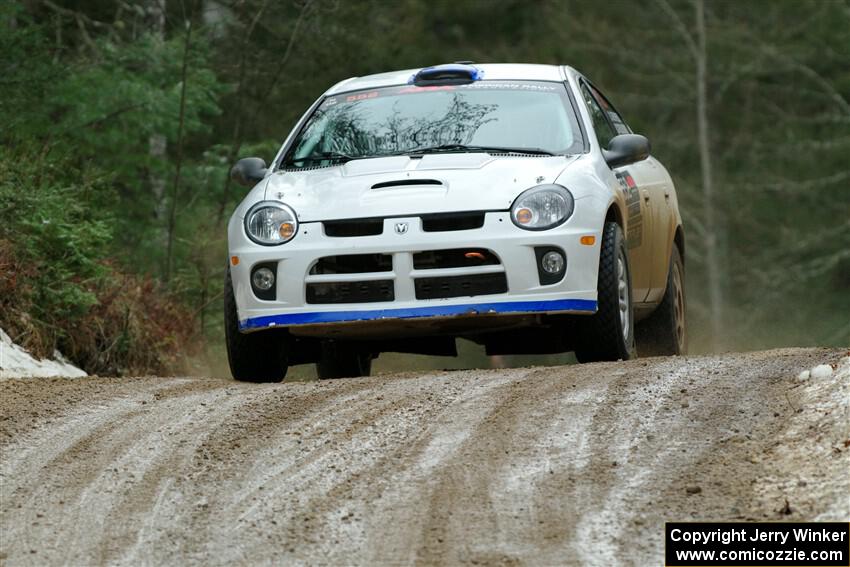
506, 204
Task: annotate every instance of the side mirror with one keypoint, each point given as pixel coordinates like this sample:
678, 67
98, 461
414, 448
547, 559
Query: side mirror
248, 171
625, 149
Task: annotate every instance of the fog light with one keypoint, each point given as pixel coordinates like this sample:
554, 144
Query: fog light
263, 279
552, 262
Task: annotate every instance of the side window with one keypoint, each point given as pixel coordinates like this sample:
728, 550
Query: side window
604, 131
619, 124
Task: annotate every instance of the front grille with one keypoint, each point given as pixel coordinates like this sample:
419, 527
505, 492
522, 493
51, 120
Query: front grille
446, 222
353, 264
460, 286
454, 258
350, 292
354, 227
438, 222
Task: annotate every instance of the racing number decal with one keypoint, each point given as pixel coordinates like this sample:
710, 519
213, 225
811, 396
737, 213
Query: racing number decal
634, 236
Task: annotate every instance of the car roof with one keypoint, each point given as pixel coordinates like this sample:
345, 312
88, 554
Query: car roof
492, 71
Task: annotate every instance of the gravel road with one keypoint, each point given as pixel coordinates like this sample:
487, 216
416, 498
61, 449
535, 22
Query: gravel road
558, 465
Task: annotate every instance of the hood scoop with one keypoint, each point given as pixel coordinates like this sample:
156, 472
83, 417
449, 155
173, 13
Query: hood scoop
407, 183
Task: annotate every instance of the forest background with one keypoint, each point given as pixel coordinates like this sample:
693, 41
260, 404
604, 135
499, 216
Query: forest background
119, 121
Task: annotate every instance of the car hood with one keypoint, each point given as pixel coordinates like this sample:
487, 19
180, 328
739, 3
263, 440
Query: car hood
401, 185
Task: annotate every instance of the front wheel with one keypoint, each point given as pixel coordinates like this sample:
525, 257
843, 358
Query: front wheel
609, 334
254, 357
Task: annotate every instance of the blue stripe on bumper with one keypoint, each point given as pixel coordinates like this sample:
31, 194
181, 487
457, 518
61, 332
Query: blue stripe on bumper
586, 305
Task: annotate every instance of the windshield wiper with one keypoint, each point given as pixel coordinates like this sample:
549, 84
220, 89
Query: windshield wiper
485, 149
442, 148
337, 157
331, 156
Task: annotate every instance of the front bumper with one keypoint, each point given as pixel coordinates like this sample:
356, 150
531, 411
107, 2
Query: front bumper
575, 293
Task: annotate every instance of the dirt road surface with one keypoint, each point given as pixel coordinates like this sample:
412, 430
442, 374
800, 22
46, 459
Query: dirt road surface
559, 465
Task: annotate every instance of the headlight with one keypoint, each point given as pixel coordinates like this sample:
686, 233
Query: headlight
270, 223
542, 207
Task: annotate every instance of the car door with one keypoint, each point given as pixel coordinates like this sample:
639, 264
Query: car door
655, 189
649, 180
638, 216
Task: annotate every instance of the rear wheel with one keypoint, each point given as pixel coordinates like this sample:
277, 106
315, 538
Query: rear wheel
609, 334
664, 333
256, 357
341, 362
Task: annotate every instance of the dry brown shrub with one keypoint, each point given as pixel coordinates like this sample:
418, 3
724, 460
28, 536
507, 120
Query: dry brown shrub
136, 326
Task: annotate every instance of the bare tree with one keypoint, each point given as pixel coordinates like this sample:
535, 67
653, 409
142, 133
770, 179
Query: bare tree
711, 221
157, 142
175, 191
710, 212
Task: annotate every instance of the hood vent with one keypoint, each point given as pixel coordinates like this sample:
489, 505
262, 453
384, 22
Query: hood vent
407, 183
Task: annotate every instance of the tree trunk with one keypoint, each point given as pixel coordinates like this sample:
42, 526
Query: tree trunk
709, 204
175, 192
157, 142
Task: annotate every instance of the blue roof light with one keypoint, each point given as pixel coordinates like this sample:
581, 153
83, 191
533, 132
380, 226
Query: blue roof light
448, 74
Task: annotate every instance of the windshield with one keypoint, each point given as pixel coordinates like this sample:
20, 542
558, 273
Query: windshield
497, 115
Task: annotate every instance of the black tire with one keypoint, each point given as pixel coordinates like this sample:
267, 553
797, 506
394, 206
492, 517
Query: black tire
343, 363
664, 332
255, 357
602, 336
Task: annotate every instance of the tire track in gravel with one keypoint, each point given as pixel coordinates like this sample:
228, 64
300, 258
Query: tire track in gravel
561, 465
415, 463
315, 490
112, 468
47, 445
604, 509
673, 453
505, 465
488, 468
148, 497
